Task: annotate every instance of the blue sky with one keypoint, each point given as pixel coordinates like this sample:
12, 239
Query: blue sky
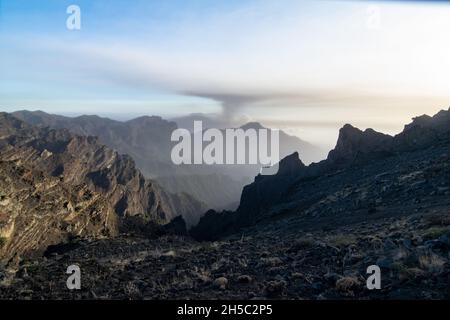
304, 66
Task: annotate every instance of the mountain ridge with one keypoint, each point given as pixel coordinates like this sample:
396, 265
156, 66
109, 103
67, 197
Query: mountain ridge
355, 148
147, 140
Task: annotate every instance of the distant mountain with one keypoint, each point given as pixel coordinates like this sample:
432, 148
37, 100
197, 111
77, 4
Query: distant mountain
288, 144
365, 169
147, 141
209, 121
56, 184
308, 153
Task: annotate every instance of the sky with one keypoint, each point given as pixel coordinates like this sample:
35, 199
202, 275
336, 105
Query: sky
307, 67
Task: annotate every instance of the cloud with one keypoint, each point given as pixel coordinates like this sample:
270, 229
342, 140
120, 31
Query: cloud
239, 61
332, 67
233, 103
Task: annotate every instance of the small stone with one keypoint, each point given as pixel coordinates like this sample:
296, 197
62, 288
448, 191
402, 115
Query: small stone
204, 278
411, 273
297, 275
221, 283
170, 253
245, 279
275, 288
332, 277
385, 263
273, 261
347, 284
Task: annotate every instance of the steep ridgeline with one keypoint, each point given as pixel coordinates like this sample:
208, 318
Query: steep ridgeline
367, 172
147, 141
55, 185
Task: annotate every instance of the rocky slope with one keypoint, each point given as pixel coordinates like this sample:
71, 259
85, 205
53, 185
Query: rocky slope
270, 262
57, 184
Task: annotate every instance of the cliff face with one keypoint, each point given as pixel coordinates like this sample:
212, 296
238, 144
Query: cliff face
38, 210
81, 160
105, 188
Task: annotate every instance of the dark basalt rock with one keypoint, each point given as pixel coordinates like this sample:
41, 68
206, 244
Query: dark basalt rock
176, 227
356, 145
298, 186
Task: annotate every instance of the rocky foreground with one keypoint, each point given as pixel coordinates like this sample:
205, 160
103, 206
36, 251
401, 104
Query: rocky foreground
412, 251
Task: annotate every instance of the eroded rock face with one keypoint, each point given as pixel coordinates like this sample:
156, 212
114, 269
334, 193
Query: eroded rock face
38, 210
62, 166
80, 160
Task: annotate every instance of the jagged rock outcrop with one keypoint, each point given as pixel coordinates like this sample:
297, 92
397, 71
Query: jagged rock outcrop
255, 198
69, 163
297, 188
423, 130
265, 189
290, 165
356, 145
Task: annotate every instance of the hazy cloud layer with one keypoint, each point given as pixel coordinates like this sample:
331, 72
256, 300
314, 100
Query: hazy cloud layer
302, 63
